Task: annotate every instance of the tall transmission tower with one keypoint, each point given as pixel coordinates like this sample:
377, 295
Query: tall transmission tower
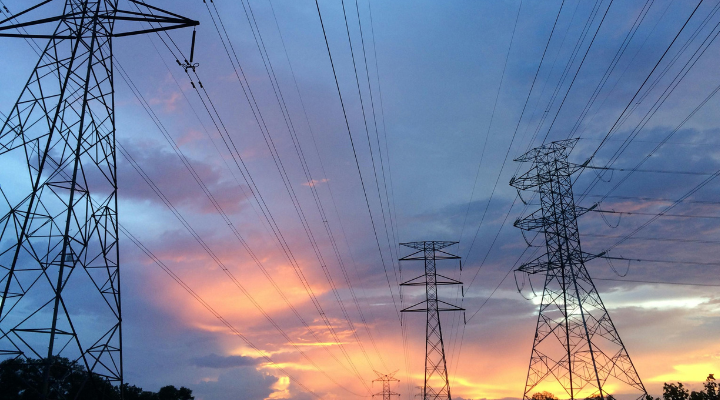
59, 255
437, 385
576, 345
387, 393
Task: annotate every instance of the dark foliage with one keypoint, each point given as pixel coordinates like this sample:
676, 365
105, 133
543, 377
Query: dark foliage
676, 391
23, 380
671, 391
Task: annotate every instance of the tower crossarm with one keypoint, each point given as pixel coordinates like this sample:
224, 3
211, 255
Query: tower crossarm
157, 18
418, 307
536, 266
533, 222
422, 281
430, 244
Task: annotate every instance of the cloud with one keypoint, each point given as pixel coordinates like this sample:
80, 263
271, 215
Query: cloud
315, 182
222, 362
167, 171
245, 383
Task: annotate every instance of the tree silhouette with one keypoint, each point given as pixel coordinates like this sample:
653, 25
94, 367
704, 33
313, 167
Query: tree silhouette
22, 379
544, 396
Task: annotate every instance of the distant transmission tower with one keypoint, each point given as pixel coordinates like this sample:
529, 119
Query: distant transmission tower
386, 379
576, 345
437, 385
59, 256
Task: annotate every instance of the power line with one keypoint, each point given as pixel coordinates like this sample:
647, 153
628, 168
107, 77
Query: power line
220, 211
672, 262
657, 282
512, 140
657, 214
572, 82
614, 63
632, 100
281, 169
656, 239
219, 262
235, 154
514, 134
661, 199
210, 309
357, 163
654, 171
362, 107
329, 185
492, 114
301, 156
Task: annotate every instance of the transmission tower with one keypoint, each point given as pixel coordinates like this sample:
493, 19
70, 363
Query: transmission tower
576, 345
437, 385
59, 256
386, 379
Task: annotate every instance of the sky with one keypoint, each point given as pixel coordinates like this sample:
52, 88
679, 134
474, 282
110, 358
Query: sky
421, 147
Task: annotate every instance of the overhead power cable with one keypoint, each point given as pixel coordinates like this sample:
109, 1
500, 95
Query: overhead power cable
512, 140
392, 210
357, 163
614, 63
654, 171
673, 262
665, 210
308, 175
657, 282
218, 207
455, 323
492, 114
656, 239
657, 214
664, 141
210, 309
191, 292
374, 118
218, 261
328, 183
637, 93
586, 53
572, 82
235, 154
661, 199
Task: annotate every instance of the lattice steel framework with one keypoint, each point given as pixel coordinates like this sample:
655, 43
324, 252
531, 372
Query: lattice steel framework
386, 379
576, 344
437, 385
59, 253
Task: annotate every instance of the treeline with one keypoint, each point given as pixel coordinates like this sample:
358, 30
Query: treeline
24, 380
671, 391
676, 391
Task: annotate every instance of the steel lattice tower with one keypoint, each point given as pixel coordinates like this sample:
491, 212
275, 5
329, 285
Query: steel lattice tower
59, 256
576, 344
437, 385
387, 393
